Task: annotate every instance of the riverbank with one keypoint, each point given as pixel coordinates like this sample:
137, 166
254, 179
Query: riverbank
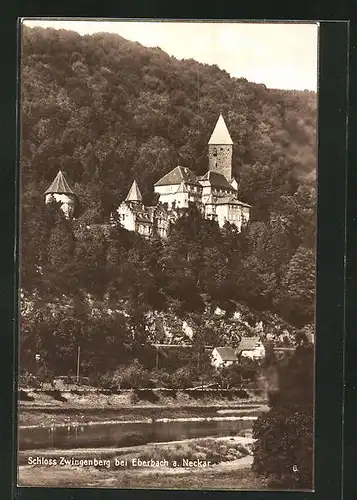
54, 407
229, 460
77, 415
96, 398
235, 476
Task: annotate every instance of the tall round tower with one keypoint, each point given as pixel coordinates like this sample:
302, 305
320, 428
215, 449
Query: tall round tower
60, 191
220, 150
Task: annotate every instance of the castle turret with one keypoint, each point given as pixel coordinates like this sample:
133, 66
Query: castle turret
220, 150
134, 194
60, 191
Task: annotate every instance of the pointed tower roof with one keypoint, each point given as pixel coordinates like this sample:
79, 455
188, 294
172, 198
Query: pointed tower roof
134, 193
59, 185
220, 134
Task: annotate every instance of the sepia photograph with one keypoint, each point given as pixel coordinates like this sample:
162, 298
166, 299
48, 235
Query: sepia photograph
167, 245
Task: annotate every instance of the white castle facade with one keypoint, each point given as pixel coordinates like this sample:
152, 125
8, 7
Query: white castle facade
215, 193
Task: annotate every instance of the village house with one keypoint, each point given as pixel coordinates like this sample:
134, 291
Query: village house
251, 347
223, 356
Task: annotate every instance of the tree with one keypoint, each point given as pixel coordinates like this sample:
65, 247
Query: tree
90, 259
283, 451
58, 272
297, 298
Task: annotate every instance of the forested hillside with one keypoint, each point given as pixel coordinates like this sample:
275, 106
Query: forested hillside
107, 111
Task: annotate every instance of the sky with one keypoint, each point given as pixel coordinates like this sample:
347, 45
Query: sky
279, 55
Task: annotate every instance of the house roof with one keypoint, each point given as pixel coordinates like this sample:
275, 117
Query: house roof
227, 200
226, 353
176, 176
230, 200
248, 344
216, 180
59, 185
220, 134
134, 193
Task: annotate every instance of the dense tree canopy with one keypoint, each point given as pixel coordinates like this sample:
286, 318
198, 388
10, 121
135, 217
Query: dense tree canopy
106, 111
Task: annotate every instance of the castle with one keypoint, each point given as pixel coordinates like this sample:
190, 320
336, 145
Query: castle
214, 193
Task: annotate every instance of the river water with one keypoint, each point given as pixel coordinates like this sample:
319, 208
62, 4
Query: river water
129, 432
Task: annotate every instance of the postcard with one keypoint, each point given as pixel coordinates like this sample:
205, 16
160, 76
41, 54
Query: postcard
167, 254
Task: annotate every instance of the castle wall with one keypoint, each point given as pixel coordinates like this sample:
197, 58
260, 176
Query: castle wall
235, 214
168, 189
126, 217
67, 202
143, 228
220, 159
175, 199
222, 214
210, 211
173, 188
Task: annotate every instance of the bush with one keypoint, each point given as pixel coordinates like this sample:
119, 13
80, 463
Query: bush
132, 376
57, 395
182, 378
106, 381
160, 378
28, 380
147, 395
44, 375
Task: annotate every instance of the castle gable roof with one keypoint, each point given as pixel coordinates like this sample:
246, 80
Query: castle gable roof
216, 180
230, 200
134, 193
176, 176
220, 134
59, 185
